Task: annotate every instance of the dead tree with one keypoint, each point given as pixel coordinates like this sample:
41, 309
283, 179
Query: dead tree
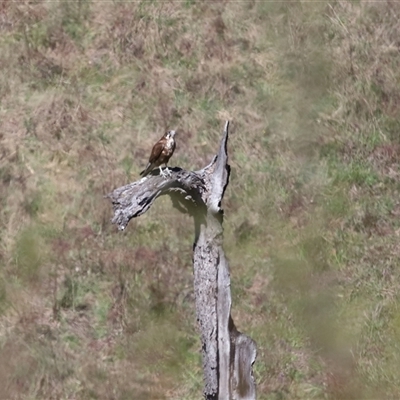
228, 355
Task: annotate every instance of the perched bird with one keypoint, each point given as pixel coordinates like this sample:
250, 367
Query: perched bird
161, 153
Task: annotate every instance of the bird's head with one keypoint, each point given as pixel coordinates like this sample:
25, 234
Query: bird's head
170, 134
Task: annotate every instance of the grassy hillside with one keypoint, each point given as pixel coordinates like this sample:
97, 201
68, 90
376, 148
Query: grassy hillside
312, 211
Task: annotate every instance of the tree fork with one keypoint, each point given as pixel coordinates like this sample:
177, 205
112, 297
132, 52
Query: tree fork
228, 355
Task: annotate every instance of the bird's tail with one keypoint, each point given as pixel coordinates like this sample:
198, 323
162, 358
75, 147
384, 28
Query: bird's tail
146, 170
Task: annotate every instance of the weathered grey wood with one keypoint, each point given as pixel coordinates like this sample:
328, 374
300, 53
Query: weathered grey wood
136, 198
228, 355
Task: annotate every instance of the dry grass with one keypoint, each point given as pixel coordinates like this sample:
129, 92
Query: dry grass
311, 211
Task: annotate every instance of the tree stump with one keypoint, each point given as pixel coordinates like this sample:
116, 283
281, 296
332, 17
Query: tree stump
228, 355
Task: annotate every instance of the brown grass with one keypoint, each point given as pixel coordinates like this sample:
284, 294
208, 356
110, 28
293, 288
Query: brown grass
311, 211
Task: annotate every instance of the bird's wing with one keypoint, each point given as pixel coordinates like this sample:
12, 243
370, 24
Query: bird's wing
154, 156
156, 152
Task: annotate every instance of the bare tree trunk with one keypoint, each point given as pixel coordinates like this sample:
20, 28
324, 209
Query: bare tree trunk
228, 355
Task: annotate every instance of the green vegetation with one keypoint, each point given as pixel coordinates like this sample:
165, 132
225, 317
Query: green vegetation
312, 210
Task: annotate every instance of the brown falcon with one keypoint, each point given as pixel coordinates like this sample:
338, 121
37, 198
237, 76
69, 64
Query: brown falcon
161, 153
